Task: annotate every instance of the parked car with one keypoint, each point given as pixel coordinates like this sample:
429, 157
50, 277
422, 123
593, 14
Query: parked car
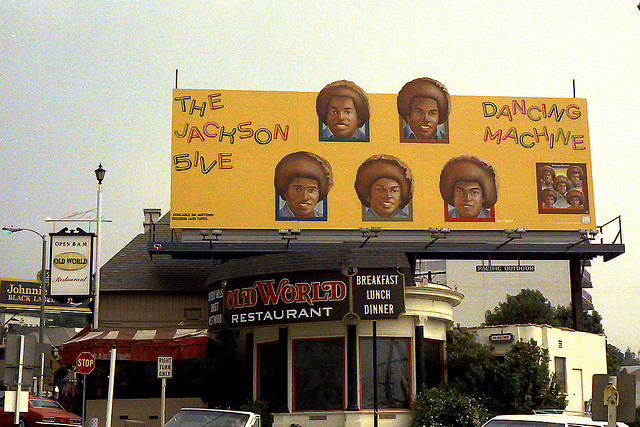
545, 420
42, 413
197, 417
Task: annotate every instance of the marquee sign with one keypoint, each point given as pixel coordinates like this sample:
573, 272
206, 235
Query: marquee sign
306, 297
342, 158
25, 295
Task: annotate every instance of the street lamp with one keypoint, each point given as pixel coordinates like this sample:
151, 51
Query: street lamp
10, 230
43, 293
100, 172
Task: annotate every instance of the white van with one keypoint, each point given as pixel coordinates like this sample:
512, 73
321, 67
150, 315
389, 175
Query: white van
545, 420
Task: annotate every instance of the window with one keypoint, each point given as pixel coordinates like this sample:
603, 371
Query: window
318, 374
393, 379
432, 271
433, 363
192, 314
268, 362
560, 364
135, 379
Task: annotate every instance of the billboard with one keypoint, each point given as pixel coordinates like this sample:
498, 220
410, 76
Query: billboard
18, 294
342, 158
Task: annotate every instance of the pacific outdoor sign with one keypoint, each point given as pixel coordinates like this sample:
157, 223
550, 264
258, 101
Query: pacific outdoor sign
71, 255
306, 297
505, 268
25, 295
341, 158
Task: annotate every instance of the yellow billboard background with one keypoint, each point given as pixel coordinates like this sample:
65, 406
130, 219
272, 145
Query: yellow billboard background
226, 145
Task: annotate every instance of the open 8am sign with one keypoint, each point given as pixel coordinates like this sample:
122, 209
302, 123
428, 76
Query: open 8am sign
85, 362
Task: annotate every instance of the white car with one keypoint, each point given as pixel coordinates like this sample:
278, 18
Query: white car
198, 417
545, 420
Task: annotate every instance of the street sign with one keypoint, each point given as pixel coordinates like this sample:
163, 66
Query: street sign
85, 362
10, 401
165, 367
12, 357
626, 397
611, 396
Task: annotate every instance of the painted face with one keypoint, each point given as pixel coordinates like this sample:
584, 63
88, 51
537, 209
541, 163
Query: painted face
302, 196
549, 201
561, 187
423, 117
342, 117
468, 198
385, 197
547, 178
574, 177
574, 202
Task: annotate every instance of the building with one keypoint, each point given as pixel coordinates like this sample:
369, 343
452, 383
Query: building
574, 356
172, 279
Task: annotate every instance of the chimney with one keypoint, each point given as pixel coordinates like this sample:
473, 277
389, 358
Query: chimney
151, 217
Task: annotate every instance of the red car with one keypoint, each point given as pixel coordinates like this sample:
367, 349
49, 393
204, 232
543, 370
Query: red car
42, 413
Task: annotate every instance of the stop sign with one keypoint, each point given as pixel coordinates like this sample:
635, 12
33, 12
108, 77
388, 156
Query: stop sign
85, 362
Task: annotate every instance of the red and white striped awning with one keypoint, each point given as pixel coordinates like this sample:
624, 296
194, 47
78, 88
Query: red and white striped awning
137, 345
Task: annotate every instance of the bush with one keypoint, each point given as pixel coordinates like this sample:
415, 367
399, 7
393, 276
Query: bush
443, 407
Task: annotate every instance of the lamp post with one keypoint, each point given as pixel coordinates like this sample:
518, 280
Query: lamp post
43, 273
100, 172
43, 292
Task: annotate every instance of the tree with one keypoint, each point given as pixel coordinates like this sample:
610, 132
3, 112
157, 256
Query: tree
518, 384
630, 358
470, 365
446, 407
529, 306
526, 381
592, 321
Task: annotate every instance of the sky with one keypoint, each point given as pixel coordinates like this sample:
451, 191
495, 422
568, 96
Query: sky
85, 83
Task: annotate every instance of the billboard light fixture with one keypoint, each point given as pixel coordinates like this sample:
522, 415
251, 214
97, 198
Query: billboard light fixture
437, 234
210, 235
289, 234
368, 233
512, 234
585, 236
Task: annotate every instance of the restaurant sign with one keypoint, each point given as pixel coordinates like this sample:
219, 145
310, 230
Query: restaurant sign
306, 297
71, 255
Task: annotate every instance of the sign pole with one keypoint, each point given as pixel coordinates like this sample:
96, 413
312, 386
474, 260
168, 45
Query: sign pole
41, 376
84, 398
163, 397
165, 370
85, 364
611, 400
16, 418
112, 374
375, 373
